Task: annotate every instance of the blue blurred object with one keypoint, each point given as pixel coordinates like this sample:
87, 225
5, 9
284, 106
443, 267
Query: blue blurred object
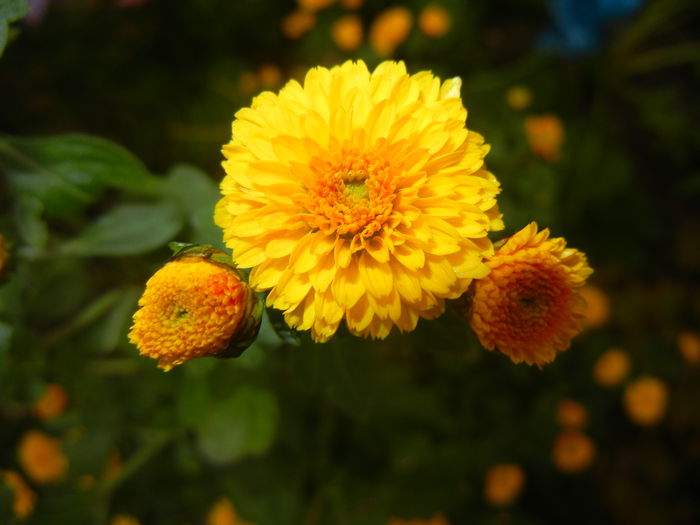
579, 25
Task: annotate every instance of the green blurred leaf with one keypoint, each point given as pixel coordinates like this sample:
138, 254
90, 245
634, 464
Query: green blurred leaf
68, 172
244, 424
128, 229
10, 10
30, 225
197, 195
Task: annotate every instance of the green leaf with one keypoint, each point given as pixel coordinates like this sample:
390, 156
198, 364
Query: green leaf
30, 225
127, 230
10, 10
197, 194
68, 172
244, 424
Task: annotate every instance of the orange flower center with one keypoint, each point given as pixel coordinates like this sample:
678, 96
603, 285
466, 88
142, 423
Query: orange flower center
349, 194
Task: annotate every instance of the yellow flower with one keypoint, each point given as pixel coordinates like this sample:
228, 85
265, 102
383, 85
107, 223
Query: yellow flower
519, 97
297, 23
503, 483
611, 368
573, 451
390, 29
528, 306
195, 306
689, 346
223, 513
52, 403
347, 32
360, 197
434, 20
124, 519
645, 400
571, 414
41, 457
437, 519
23, 498
545, 135
597, 311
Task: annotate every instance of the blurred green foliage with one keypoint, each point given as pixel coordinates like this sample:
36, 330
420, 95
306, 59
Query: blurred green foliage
352, 431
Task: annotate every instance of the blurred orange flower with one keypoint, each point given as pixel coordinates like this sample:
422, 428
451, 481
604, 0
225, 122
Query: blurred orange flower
645, 400
519, 97
224, 513
314, 5
351, 4
503, 483
298, 23
437, 519
611, 368
689, 346
528, 306
52, 403
434, 20
41, 457
124, 519
23, 498
571, 414
573, 451
248, 82
545, 136
390, 29
597, 311
346, 32
269, 76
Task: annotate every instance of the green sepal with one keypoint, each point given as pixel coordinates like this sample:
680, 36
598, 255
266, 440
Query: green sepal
287, 334
248, 330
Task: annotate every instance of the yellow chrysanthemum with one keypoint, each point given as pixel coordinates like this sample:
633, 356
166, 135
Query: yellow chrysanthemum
528, 307
52, 403
41, 457
573, 451
192, 307
503, 483
360, 197
23, 498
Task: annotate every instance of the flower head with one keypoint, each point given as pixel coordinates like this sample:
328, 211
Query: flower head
545, 136
195, 306
52, 403
360, 197
645, 400
434, 20
611, 368
528, 307
23, 498
573, 451
571, 414
503, 483
41, 457
390, 29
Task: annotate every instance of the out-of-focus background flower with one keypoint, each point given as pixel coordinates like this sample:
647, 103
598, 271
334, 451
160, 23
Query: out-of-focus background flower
113, 113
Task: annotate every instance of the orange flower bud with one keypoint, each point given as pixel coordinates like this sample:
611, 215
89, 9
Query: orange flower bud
503, 484
545, 136
645, 400
573, 451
